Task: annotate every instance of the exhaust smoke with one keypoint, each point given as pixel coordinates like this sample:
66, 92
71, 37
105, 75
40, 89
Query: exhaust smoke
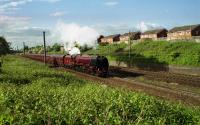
73, 33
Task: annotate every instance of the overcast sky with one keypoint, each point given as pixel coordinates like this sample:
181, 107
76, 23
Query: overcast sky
24, 20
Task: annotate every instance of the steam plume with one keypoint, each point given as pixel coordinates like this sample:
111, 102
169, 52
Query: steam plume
71, 33
74, 51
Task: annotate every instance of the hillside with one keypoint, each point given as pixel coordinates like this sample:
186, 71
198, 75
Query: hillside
161, 52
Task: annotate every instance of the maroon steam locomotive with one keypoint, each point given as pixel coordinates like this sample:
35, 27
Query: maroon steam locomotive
97, 65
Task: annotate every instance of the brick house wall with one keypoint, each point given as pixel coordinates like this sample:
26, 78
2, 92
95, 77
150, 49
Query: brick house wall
133, 36
180, 35
124, 38
106, 40
154, 34
110, 39
184, 32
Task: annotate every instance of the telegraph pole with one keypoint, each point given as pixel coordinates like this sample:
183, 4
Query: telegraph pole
45, 54
24, 47
129, 48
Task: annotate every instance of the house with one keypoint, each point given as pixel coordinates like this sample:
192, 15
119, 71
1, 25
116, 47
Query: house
154, 34
184, 32
99, 38
111, 39
130, 36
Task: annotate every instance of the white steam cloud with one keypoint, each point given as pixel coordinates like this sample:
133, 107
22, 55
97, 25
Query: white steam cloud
74, 51
71, 33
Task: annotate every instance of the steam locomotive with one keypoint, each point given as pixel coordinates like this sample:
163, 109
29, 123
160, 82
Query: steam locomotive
96, 65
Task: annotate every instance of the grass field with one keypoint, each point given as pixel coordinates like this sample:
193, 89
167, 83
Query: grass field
161, 52
31, 93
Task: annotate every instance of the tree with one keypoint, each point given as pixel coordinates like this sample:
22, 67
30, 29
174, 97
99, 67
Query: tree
85, 48
26, 48
56, 47
4, 48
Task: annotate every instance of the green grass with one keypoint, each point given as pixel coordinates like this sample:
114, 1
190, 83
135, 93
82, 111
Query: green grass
31, 93
175, 53
161, 52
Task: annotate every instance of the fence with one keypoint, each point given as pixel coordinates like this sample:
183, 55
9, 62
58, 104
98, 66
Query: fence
192, 39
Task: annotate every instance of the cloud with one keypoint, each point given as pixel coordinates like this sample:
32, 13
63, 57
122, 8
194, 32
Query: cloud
17, 41
10, 5
32, 36
29, 31
111, 3
119, 28
58, 14
144, 26
8, 23
51, 1
16, 31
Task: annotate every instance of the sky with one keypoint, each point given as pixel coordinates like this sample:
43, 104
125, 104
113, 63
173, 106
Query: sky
24, 20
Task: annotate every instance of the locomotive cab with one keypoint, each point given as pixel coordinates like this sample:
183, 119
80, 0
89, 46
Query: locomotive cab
102, 65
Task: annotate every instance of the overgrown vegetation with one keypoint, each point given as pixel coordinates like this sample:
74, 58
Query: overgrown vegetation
54, 49
31, 93
164, 52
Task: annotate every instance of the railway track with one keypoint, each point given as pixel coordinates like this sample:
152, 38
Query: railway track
161, 92
189, 80
120, 77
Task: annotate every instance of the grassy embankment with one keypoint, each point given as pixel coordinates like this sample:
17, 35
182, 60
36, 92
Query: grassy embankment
31, 93
161, 52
